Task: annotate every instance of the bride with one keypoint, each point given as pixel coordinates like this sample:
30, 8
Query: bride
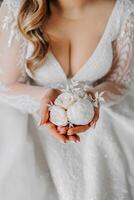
44, 46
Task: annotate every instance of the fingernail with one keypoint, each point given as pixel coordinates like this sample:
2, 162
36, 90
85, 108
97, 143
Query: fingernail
77, 141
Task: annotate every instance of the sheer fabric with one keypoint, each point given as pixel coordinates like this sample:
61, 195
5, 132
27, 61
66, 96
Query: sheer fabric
34, 165
14, 81
13, 59
118, 81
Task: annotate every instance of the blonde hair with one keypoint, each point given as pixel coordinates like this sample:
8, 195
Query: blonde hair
32, 17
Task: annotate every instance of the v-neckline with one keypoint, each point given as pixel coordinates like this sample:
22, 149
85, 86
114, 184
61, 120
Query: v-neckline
87, 62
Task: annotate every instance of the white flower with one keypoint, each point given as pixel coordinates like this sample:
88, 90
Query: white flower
65, 100
58, 116
74, 106
81, 112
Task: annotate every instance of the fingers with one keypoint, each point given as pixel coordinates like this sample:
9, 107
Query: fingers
50, 96
62, 129
44, 113
61, 137
53, 130
96, 117
74, 138
78, 129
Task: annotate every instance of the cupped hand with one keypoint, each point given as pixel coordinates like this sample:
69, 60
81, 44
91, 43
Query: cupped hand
83, 128
63, 131
50, 96
53, 129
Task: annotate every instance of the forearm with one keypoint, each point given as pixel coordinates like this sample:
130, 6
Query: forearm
113, 91
26, 98
35, 92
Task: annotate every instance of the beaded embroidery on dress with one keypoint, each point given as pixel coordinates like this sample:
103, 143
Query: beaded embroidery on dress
34, 165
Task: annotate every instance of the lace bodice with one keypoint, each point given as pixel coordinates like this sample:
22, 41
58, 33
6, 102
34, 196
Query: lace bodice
112, 59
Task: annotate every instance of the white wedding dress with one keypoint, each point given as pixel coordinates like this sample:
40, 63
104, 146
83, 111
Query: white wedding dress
36, 166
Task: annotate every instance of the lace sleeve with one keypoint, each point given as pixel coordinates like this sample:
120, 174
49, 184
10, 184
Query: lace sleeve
123, 48
14, 88
118, 81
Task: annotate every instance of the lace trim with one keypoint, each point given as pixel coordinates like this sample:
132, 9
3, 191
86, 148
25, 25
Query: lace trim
123, 49
9, 23
21, 61
12, 5
24, 103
